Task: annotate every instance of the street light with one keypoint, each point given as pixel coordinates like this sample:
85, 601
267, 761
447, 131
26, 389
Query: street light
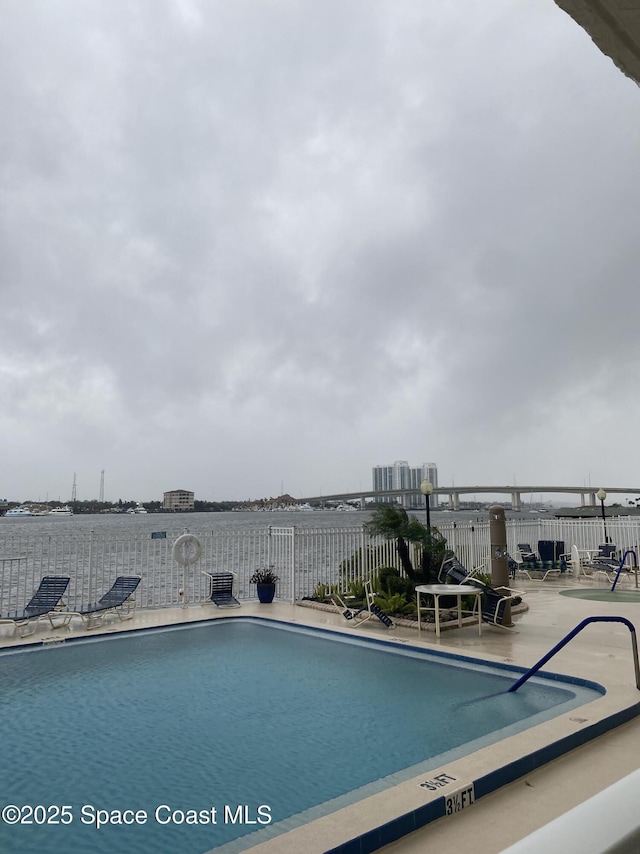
426, 488
601, 497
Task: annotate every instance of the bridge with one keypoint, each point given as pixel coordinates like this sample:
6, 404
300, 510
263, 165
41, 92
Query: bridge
587, 494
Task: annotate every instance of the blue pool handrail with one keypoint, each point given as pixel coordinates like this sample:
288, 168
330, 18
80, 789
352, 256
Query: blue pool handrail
572, 634
621, 567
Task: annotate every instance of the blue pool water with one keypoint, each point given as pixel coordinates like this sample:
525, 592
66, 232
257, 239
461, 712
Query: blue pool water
233, 713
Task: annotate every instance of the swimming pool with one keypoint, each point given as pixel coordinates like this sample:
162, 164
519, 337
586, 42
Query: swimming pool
196, 736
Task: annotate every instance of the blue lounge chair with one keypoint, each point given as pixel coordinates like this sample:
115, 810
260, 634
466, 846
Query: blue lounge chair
494, 599
221, 593
607, 563
360, 615
532, 563
117, 600
43, 602
453, 572
527, 553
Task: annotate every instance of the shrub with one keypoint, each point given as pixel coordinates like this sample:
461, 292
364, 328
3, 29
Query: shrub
394, 603
389, 581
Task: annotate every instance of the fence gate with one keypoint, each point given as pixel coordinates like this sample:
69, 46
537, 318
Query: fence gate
280, 556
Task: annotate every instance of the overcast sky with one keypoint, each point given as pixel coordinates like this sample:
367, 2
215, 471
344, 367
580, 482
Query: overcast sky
253, 245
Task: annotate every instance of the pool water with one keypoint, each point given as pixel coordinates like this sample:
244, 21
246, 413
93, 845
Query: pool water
256, 721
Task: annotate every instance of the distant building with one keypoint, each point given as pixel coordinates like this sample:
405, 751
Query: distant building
178, 499
401, 475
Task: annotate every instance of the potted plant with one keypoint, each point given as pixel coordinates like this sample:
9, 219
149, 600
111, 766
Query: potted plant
265, 580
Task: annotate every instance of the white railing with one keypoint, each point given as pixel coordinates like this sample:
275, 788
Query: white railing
303, 558
606, 823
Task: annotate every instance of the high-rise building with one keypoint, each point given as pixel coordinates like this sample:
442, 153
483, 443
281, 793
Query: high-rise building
401, 475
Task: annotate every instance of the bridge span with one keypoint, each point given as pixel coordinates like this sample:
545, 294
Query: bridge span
587, 494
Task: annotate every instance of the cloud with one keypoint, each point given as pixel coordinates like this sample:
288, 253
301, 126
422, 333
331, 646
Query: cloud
246, 243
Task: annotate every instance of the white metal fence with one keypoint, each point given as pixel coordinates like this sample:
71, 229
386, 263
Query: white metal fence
302, 557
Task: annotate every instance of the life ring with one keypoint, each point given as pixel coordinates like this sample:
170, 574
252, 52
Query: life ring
187, 550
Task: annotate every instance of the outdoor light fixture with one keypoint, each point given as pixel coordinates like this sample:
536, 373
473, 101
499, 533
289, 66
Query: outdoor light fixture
426, 488
601, 497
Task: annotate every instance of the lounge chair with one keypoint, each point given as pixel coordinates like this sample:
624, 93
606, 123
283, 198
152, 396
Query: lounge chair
358, 616
532, 563
494, 599
222, 589
117, 600
612, 567
452, 571
44, 601
459, 574
527, 554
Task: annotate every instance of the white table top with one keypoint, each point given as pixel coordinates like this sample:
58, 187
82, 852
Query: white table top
451, 589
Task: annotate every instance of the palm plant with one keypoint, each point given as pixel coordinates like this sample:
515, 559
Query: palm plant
394, 523
394, 603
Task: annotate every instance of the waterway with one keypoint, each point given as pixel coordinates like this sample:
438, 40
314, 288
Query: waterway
177, 523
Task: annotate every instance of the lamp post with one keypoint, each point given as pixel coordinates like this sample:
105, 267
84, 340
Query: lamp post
601, 497
426, 488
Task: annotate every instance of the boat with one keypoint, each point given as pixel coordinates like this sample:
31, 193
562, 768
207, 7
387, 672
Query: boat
137, 509
18, 511
61, 511
36, 509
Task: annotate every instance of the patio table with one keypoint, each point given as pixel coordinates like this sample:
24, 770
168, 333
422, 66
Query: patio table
457, 590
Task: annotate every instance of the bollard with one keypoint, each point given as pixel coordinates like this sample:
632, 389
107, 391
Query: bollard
499, 554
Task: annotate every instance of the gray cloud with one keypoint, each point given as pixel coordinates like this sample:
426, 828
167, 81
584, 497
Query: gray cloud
259, 242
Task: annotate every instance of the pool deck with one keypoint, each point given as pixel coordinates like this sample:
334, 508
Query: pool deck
601, 653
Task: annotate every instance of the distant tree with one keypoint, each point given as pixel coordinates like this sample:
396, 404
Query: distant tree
212, 506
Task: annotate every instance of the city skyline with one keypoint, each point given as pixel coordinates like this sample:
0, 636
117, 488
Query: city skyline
400, 475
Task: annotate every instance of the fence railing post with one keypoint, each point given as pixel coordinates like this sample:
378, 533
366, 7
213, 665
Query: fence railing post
90, 567
293, 566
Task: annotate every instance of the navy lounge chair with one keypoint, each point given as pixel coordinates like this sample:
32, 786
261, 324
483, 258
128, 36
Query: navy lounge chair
222, 589
532, 563
527, 553
493, 599
117, 600
452, 572
611, 566
43, 602
358, 616
605, 560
